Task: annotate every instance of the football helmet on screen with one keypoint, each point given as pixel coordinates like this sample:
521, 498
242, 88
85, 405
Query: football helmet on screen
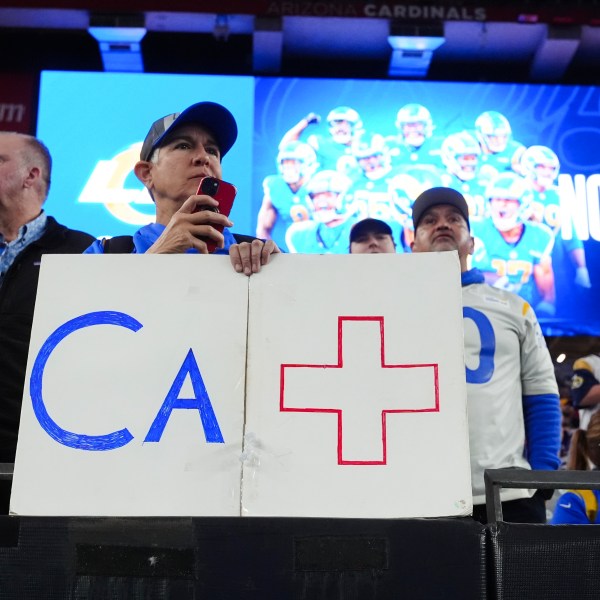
326, 191
296, 161
344, 124
408, 185
328, 181
511, 187
460, 154
372, 155
414, 123
541, 165
493, 130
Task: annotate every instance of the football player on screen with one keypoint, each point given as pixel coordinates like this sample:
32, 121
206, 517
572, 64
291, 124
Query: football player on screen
460, 155
540, 166
334, 151
285, 194
373, 193
407, 186
328, 231
414, 142
512, 252
498, 148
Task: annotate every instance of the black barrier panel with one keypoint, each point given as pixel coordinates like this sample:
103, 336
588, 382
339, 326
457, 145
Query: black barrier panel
9, 532
530, 562
127, 561
243, 559
345, 559
40, 564
341, 554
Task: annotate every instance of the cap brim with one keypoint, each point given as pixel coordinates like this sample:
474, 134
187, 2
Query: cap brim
369, 225
436, 196
213, 117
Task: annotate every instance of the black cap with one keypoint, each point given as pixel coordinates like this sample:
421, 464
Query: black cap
436, 196
212, 116
369, 226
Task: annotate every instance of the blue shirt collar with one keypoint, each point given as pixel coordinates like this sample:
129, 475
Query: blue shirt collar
28, 233
472, 276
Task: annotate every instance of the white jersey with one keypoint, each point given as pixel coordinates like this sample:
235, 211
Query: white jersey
506, 358
592, 364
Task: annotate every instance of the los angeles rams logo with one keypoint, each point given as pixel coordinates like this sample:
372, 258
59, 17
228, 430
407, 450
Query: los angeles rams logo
106, 185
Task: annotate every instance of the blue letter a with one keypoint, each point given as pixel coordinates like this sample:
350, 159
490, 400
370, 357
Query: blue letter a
200, 402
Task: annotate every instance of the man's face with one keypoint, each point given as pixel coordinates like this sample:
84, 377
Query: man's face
443, 228
12, 167
373, 242
189, 154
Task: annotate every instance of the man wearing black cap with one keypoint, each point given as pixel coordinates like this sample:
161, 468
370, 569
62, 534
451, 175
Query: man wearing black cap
178, 151
512, 397
372, 236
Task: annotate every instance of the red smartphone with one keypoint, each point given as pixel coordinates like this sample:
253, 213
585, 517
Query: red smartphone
221, 191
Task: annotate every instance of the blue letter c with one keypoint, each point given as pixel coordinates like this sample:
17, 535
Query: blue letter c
110, 441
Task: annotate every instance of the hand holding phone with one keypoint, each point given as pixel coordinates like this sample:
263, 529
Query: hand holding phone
224, 193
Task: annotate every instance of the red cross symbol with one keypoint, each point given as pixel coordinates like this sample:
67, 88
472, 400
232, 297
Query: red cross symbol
361, 388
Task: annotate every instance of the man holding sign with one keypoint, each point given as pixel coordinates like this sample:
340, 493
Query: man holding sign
178, 151
512, 397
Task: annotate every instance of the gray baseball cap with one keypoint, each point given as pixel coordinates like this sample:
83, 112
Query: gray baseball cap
436, 196
210, 115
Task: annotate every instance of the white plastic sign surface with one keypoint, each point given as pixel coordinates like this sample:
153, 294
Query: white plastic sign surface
134, 396
172, 386
355, 402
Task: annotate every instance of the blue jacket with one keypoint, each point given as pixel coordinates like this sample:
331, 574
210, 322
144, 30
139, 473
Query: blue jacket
147, 235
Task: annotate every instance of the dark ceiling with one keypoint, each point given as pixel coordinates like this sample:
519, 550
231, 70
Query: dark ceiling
549, 47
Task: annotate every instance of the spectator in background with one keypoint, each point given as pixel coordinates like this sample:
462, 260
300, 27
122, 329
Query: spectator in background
512, 396
26, 233
570, 419
581, 506
372, 236
585, 387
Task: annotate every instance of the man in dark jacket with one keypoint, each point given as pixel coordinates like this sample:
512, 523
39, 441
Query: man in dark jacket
26, 232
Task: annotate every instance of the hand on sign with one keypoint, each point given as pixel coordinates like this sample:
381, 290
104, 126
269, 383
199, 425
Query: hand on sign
249, 257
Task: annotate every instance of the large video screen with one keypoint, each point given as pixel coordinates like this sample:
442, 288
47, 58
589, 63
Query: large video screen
315, 156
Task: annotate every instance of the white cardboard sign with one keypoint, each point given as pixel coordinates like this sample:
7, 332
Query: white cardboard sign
173, 386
